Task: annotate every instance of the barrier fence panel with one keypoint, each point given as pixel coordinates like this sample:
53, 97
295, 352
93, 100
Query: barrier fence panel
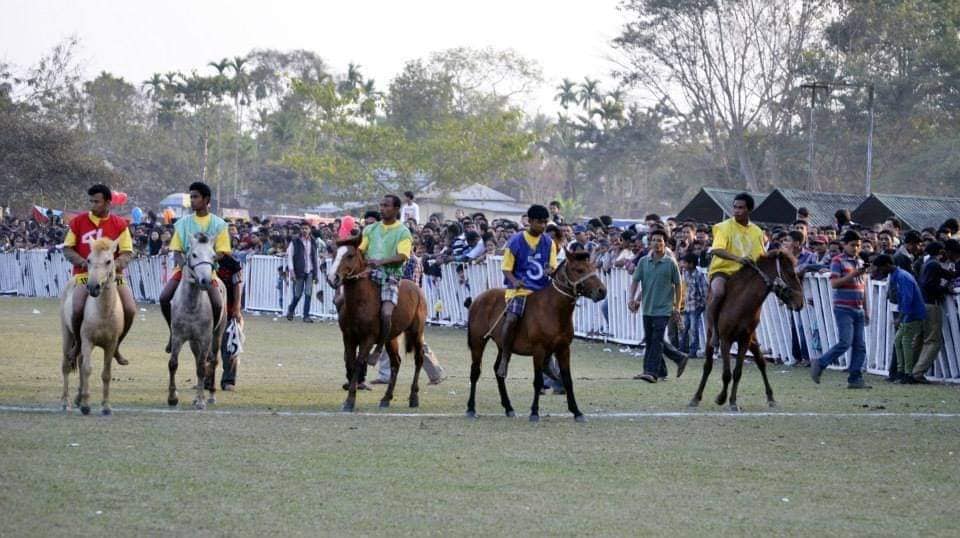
42, 273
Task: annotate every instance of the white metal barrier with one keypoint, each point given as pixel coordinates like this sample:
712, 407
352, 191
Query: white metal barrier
43, 273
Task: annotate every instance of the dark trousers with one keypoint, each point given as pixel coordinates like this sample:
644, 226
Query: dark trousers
301, 287
653, 330
229, 376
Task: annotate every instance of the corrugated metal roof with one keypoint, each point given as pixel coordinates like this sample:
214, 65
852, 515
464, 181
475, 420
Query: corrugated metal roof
822, 205
724, 197
920, 212
475, 192
494, 206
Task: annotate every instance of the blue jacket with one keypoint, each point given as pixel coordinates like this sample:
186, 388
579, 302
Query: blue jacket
909, 298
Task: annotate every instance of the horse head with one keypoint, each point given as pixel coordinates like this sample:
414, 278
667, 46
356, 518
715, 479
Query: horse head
777, 268
579, 277
100, 266
348, 262
199, 263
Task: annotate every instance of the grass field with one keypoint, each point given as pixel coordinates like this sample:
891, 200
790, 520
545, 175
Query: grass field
276, 457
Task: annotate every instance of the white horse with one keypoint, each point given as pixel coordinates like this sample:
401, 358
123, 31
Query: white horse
191, 319
102, 325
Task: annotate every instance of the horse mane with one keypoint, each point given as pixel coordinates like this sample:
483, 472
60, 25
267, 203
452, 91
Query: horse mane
580, 255
101, 245
352, 241
783, 255
201, 238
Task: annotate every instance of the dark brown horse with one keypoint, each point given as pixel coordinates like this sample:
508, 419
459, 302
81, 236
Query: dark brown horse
545, 329
740, 315
359, 319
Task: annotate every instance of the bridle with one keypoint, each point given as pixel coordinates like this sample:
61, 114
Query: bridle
193, 268
572, 290
776, 285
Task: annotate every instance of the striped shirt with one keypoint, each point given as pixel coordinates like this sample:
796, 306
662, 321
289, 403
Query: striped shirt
851, 294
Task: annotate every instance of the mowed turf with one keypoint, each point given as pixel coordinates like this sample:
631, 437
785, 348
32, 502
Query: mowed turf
246, 471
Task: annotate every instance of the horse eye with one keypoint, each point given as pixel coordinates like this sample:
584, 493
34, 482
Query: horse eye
109, 262
194, 255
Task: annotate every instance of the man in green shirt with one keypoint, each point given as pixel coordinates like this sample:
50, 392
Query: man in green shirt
659, 278
387, 245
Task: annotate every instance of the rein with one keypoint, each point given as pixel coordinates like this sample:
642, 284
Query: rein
776, 285
572, 293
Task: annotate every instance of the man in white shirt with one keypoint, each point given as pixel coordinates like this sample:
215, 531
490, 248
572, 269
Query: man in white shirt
410, 209
302, 266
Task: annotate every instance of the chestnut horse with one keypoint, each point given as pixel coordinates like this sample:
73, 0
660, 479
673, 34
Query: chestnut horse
545, 329
739, 316
359, 320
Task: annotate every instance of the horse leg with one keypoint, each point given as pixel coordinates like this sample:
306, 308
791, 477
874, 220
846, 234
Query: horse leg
394, 353
476, 355
538, 361
199, 359
762, 366
707, 368
86, 367
175, 346
108, 353
67, 365
417, 366
725, 355
737, 372
502, 387
353, 374
563, 361
210, 364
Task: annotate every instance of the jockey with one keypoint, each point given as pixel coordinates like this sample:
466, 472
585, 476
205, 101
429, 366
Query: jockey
528, 260
84, 230
202, 221
736, 242
387, 245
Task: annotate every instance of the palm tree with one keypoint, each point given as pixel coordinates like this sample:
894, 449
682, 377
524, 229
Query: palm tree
154, 87
567, 93
589, 92
241, 98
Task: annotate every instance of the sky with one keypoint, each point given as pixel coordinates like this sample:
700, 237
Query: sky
134, 38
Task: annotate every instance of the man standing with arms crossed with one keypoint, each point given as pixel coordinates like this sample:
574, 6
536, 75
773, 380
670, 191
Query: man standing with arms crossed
84, 230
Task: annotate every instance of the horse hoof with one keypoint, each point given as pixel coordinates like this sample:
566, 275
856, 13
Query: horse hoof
85, 409
580, 418
511, 413
772, 403
414, 402
172, 402
106, 412
534, 418
199, 404
347, 407
734, 408
721, 399
211, 400
471, 414
694, 403
384, 404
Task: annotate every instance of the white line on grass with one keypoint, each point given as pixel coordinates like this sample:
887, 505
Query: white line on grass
636, 414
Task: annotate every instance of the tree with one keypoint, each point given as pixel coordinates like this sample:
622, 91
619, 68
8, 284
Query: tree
730, 66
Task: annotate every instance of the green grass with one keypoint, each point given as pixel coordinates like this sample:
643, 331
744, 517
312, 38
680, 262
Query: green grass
255, 473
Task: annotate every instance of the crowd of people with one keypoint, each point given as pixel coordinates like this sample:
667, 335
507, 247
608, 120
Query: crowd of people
921, 259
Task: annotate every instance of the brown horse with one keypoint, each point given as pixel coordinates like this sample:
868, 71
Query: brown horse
545, 329
740, 315
359, 320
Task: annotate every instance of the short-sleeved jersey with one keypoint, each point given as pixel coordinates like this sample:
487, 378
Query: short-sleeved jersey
87, 228
731, 236
530, 259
